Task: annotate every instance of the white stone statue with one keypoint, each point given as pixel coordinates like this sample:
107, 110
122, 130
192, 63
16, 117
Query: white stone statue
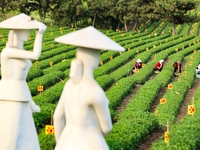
82, 118
17, 128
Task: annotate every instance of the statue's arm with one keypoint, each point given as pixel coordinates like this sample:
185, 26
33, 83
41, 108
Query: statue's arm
58, 118
103, 114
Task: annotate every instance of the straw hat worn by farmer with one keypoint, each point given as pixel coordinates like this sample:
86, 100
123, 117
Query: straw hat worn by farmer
17, 127
83, 103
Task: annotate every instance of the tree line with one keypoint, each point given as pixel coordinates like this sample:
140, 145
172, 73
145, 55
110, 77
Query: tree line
109, 14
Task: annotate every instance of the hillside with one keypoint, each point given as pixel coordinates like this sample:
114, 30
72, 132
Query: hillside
139, 119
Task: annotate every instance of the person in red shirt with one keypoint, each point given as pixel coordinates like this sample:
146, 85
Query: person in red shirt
177, 67
159, 65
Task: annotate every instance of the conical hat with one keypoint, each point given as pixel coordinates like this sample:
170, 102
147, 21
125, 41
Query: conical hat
90, 37
161, 61
138, 60
21, 21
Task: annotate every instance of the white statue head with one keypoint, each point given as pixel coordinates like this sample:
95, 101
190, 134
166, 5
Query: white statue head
89, 41
22, 35
17, 35
21, 21
90, 57
20, 26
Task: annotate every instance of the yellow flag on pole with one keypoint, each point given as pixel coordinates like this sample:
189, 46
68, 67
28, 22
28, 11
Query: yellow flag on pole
166, 137
163, 100
191, 109
49, 129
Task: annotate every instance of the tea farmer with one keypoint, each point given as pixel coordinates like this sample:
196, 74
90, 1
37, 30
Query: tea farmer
137, 64
83, 103
17, 127
159, 66
198, 70
177, 67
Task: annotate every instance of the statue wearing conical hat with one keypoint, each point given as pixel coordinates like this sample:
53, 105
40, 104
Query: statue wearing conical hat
17, 128
82, 118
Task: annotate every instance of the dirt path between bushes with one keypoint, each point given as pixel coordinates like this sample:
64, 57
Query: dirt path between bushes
188, 98
127, 100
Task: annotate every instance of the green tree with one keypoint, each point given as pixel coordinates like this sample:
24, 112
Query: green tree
45, 6
99, 12
126, 11
42, 6
134, 12
174, 11
6, 6
95, 9
119, 10
68, 12
27, 6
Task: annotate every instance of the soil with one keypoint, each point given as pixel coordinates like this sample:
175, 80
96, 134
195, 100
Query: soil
127, 99
155, 135
157, 100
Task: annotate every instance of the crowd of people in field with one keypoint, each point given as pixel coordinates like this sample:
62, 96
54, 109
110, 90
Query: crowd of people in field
159, 66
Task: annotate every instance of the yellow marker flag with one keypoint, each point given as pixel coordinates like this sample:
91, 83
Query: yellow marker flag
40, 88
143, 65
170, 86
191, 109
166, 137
137, 70
49, 129
185, 73
156, 112
52, 45
163, 100
51, 63
117, 84
101, 63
